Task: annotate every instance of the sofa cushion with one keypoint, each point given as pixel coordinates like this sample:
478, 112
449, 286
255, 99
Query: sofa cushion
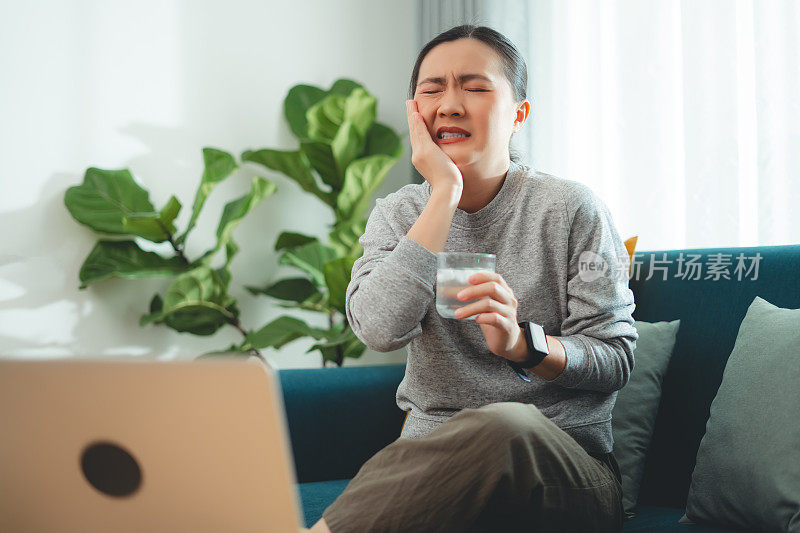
634, 413
748, 464
711, 302
339, 417
663, 520
317, 496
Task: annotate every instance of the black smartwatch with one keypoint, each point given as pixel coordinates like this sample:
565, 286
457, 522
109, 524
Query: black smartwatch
537, 348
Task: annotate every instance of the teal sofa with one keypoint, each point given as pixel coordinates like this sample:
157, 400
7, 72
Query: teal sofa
339, 417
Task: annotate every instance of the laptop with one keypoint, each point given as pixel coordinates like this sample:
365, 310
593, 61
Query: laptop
131, 445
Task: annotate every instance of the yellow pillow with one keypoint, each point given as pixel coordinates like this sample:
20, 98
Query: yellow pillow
630, 245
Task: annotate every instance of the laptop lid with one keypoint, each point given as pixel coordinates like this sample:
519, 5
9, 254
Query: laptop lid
110, 445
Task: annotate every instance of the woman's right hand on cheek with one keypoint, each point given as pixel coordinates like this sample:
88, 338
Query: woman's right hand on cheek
428, 158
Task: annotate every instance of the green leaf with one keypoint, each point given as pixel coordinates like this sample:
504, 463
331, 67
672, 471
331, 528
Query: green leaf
346, 146
297, 102
317, 302
362, 178
293, 164
354, 348
310, 258
225, 275
335, 337
195, 302
156, 306
231, 249
282, 330
289, 239
218, 166
302, 97
170, 211
110, 201
224, 272
343, 87
124, 259
154, 228
359, 109
337, 277
382, 139
234, 350
330, 159
320, 157
345, 236
325, 117
293, 289
345, 340
234, 212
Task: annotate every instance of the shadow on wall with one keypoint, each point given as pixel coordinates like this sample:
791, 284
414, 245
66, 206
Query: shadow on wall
44, 314
42, 311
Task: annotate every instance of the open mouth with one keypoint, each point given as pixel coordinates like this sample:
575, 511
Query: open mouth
447, 135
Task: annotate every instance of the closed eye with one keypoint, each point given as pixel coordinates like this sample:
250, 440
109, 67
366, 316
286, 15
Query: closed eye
471, 90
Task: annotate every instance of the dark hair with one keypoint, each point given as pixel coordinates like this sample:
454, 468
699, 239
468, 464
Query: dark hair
514, 67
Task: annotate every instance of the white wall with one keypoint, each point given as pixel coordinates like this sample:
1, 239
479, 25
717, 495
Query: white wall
144, 86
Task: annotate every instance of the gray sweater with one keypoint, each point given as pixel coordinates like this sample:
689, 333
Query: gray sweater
538, 226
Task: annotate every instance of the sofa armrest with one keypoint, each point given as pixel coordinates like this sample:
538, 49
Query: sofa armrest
339, 417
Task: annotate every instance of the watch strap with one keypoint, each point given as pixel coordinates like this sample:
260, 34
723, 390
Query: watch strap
537, 344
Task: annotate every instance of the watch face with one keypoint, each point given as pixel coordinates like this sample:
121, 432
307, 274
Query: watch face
539, 340
537, 344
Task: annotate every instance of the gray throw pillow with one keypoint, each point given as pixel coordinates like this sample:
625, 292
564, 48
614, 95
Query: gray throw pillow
634, 415
747, 472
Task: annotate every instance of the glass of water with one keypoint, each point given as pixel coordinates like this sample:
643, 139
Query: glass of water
453, 270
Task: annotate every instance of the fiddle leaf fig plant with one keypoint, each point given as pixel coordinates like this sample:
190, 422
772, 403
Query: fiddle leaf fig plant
342, 158
197, 301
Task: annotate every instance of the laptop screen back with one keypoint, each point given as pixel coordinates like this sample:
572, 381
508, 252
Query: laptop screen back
90, 445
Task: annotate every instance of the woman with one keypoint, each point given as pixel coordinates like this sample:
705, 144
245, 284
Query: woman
483, 449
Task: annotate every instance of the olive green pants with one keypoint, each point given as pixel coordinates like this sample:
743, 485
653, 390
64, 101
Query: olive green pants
502, 467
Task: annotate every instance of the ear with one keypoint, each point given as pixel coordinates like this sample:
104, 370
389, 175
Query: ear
523, 110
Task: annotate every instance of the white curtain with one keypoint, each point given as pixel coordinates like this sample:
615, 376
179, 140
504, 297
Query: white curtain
684, 116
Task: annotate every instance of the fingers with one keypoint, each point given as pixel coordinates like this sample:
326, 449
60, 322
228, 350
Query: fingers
416, 125
485, 305
412, 126
495, 319
412, 121
494, 286
493, 276
496, 295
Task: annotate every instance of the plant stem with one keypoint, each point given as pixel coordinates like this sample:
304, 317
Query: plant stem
339, 355
178, 250
339, 351
171, 240
235, 323
330, 326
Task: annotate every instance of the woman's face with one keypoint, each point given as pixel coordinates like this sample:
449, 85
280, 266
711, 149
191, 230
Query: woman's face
483, 106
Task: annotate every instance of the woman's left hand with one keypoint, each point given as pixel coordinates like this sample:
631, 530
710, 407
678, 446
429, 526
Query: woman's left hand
497, 314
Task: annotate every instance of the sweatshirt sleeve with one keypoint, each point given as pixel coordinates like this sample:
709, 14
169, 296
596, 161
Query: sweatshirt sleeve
598, 332
391, 285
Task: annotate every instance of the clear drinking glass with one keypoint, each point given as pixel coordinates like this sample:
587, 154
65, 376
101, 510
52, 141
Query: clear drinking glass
453, 270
